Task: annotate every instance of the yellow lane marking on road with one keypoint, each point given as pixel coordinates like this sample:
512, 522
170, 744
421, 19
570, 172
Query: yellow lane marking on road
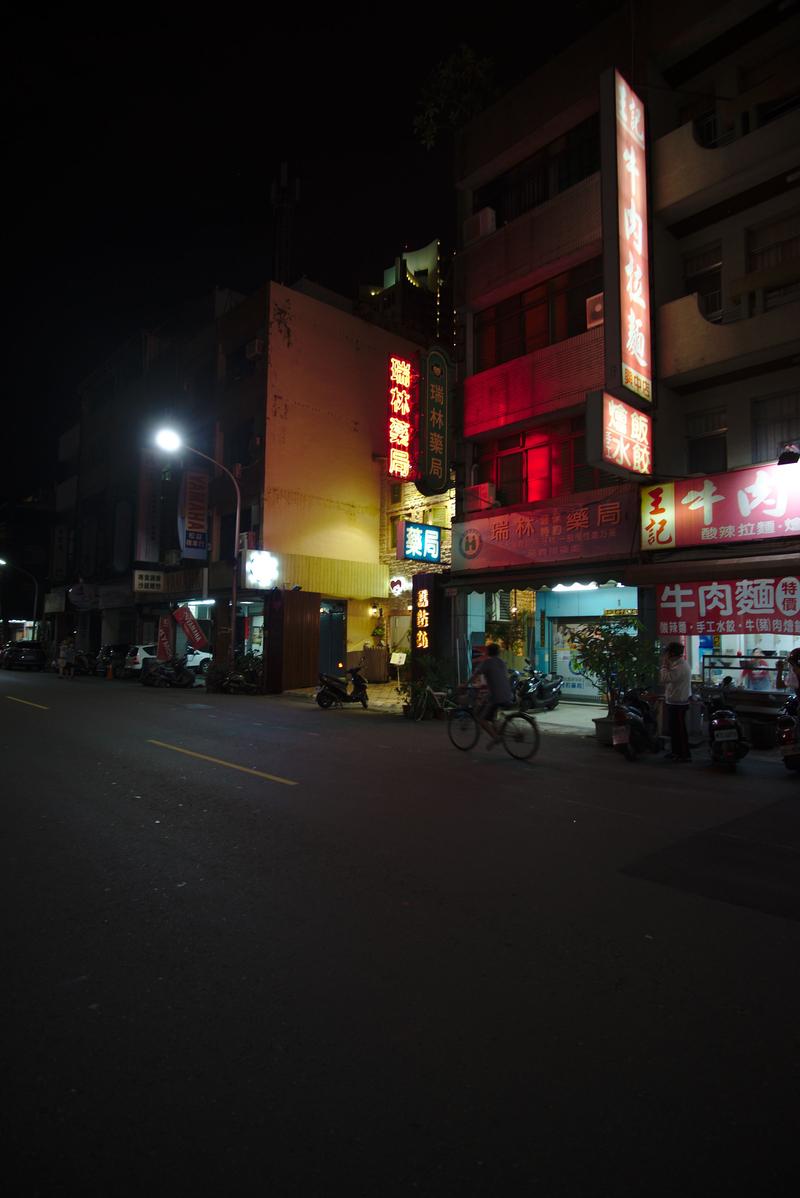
28, 703
218, 761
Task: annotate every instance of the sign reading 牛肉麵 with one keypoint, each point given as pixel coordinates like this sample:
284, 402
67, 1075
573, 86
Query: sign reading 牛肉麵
745, 606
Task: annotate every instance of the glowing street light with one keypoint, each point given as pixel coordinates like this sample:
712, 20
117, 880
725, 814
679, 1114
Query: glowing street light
168, 440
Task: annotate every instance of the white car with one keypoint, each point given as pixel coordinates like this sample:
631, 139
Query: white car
198, 659
138, 655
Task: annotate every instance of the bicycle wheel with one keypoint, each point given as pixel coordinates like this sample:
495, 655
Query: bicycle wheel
520, 736
462, 728
421, 706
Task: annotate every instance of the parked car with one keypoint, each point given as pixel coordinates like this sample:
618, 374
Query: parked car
114, 656
24, 655
199, 659
139, 657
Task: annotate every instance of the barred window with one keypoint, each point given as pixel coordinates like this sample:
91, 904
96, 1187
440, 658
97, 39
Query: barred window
776, 421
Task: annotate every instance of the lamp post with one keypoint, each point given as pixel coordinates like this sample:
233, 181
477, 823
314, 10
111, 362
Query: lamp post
168, 440
35, 582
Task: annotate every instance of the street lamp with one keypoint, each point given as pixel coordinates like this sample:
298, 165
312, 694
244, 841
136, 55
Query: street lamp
35, 582
170, 442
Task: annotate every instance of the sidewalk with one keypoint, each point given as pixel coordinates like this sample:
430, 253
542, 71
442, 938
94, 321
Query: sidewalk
567, 717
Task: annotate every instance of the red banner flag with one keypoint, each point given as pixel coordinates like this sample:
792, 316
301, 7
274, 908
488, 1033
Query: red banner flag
192, 630
164, 648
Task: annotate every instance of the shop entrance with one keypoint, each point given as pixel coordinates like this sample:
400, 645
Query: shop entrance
332, 636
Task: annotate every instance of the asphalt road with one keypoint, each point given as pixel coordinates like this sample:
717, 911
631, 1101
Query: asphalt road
257, 948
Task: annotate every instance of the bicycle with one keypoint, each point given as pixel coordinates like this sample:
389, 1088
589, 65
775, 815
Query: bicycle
517, 730
435, 703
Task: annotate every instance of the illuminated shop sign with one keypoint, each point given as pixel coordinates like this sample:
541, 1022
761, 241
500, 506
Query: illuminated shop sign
193, 515
619, 438
756, 504
422, 618
626, 261
745, 606
419, 542
434, 455
403, 418
260, 569
601, 526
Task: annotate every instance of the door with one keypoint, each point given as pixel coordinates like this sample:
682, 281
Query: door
332, 636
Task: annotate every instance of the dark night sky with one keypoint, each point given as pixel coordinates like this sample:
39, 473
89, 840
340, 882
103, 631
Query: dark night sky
139, 164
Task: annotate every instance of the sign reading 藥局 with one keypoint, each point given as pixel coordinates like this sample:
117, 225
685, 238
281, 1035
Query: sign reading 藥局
419, 542
755, 504
602, 525
626, 261
403, 418
436, 375
741, 606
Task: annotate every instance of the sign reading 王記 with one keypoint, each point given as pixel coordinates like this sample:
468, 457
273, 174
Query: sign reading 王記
755, 504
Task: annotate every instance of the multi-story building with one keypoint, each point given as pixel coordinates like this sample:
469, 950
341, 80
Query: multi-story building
548, 530
285, 392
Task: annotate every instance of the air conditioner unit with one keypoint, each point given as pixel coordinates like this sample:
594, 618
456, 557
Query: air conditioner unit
481, 224
594, 310
479, 498
254, 348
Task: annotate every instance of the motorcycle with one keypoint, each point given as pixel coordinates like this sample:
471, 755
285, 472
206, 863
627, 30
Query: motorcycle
333, 691
634, 729
725, 738
172, 672
533, 688
788, 733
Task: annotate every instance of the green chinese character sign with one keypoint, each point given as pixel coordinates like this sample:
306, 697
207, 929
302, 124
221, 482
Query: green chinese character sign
434, 439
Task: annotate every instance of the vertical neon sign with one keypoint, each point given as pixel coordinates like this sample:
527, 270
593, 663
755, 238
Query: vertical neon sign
634, 261
403, 418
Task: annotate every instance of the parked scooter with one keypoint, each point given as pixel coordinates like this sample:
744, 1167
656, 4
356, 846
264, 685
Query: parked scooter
532, 688
172, 672
725, 737
634, 728
788, 733
333, 691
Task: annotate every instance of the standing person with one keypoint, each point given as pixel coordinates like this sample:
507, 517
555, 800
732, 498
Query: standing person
68, 653
494, 670
677, 678
62, 661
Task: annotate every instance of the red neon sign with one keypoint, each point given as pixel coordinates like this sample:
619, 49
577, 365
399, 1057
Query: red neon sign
402, 418
627, 436
634, 279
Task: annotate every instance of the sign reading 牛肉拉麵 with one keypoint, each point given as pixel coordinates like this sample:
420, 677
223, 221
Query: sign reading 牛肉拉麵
626, 260
755, 504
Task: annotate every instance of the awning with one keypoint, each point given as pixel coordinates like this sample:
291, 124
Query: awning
686, 568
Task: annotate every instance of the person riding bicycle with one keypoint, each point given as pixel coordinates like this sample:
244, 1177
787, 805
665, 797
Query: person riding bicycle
494, 670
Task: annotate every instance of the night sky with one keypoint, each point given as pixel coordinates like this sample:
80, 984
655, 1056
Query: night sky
139, 166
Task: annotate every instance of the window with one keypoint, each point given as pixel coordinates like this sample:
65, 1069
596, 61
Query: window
776, 248
545, 463
707, 446
558, 166
702, 272
540, 316
395, 492
776, 421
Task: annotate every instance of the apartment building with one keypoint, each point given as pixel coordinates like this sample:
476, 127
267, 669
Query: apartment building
549, 530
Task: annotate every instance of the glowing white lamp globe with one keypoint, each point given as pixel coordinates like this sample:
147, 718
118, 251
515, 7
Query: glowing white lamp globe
168, 440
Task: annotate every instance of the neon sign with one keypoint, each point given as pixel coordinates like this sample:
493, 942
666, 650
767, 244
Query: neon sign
419, 542
403, 418
634, 278
627, 437
422, 619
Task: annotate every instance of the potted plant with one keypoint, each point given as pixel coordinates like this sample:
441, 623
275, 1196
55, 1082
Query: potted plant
614, 654
378, 633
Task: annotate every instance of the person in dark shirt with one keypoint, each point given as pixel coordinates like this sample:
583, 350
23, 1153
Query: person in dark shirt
493, 670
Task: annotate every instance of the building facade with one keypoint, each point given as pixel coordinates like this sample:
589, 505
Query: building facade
549, 529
